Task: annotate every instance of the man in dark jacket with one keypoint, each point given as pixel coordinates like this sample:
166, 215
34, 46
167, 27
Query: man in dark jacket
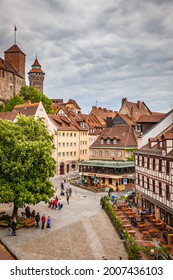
13, 226
37, 218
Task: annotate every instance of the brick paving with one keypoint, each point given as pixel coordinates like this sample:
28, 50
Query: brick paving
80, 231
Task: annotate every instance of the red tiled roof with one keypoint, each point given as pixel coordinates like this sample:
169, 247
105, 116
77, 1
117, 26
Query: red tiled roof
10, 116
151, 118
123, 133
102, 114
36, 70
27, 109
62, 123
91, 121
14, 48
36, 63
4, 65
71, 101
126, 119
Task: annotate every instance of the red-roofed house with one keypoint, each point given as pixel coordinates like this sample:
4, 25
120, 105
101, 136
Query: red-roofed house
111, 155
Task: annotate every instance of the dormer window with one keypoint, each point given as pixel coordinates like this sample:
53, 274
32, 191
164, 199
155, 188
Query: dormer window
115, 141
108, 141
102, 141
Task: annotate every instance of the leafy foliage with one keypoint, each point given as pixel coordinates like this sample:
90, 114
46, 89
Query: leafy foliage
30, 93
26, 162
16, 100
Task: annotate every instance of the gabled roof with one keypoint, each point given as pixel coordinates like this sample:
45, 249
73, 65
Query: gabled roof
136, 109
102, 114
71, 101
124, 134
126, 118
10, 116
91, 121
62, 123
27, 109
155, 147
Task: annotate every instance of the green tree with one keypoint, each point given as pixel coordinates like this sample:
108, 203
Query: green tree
30, 93
26, 162
16, 100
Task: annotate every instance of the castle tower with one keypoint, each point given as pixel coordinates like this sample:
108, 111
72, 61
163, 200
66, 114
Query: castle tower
16, 57
36, 76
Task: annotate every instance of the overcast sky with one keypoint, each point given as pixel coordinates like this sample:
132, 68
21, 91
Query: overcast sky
96, 51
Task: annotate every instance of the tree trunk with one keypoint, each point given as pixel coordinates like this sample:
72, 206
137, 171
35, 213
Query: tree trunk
15, 211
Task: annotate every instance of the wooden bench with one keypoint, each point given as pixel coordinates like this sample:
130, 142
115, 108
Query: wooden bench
2, 224
30, 223
2, 213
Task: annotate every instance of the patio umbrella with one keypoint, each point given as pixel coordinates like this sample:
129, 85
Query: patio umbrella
82, 178
95, 179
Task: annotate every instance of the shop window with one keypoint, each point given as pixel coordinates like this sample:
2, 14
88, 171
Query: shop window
160, 165
167, 167
167, 192
143, 162
154, 186
160, 189
148, 183
120, 154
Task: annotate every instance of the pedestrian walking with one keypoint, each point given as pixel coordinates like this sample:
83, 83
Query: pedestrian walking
67, 197
37, 218
60, 204
10, 227
48, 222
55, 203
13, 226
43, 220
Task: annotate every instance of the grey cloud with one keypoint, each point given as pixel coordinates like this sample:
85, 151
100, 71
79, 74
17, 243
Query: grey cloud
103, 50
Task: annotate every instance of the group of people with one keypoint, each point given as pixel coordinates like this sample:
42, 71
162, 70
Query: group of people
44, 221
28, 212
55, 203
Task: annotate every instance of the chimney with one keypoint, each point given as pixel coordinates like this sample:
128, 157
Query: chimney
109, 122
94, 107
139, 104
123, 100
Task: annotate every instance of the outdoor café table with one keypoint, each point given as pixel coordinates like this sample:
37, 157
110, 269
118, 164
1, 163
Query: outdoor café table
147, 244
130, 213
154, 232
142, 226
132, 232
127, 226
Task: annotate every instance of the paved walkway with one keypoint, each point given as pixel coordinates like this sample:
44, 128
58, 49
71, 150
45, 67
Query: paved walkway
80, 231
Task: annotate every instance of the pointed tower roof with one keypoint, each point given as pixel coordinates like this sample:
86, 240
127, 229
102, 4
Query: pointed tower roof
36, 67
14, 49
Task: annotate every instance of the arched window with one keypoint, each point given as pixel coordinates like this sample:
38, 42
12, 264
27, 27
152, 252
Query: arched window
102, 141
108, 141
